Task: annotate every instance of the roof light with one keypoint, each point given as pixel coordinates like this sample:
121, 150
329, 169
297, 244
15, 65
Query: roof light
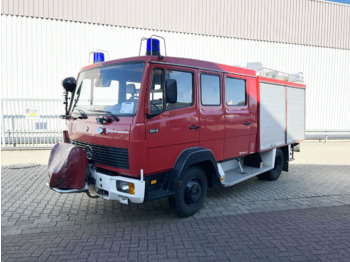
153, 46
99, 57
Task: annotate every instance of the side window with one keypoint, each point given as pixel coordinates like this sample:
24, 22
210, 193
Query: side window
236, 93
184, 82
156, 96
210, 90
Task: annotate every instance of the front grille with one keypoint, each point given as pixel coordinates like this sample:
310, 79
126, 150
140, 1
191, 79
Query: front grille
106, 155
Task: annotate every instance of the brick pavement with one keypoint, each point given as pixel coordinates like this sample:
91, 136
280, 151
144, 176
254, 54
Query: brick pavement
316, 234
313, 198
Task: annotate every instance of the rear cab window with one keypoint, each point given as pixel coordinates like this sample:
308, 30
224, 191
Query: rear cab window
210, 90
236, 92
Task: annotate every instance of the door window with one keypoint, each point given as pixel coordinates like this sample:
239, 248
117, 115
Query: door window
156, 96
236, 93
185, 86
184, 82
210, 90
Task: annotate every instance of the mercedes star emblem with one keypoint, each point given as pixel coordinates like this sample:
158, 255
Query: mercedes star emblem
89, 152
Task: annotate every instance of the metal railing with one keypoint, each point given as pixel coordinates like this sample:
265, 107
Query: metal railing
43, 129
31, 123
327, 135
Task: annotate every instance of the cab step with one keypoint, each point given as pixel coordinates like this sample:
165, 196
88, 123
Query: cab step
240, 169
235, 176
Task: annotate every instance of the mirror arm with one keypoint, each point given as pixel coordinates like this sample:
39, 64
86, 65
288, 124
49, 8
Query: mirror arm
69, 84
66, 101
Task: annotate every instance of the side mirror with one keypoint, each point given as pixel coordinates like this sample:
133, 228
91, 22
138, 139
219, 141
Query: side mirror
69, 84
171, 91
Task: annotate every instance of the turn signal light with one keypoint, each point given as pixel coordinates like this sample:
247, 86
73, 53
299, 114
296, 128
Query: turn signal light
131, 188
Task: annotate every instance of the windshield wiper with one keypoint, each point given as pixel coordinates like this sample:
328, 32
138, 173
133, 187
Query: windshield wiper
83, 114
115, 118
78, 95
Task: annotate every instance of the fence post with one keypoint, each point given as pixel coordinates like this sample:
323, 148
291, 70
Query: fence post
3, 138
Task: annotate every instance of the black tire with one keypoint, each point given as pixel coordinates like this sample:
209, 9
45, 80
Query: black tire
191, 195
274, 173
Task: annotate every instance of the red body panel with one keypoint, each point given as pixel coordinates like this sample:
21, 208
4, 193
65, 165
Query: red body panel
154, 144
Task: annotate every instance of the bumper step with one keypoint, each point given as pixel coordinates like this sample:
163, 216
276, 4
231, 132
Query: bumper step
160, 193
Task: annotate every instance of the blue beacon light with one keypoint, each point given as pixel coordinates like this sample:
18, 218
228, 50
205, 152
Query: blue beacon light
99, 57
153, 47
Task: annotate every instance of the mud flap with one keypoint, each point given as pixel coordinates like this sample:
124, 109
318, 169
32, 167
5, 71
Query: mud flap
67, 167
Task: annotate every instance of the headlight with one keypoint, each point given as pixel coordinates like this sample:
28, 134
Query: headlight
126, 187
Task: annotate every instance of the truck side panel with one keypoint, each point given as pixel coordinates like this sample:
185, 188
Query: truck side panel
296, 114
272, 115
281, 113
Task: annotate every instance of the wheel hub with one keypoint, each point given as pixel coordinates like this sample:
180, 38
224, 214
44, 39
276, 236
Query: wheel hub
193, 191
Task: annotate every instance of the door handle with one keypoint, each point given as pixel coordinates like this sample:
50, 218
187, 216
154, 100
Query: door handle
247, 123
193, 127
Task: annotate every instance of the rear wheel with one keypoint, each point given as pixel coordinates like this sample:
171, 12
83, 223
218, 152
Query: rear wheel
274, 173
192, 192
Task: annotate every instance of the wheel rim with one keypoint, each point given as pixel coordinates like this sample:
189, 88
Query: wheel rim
193, 192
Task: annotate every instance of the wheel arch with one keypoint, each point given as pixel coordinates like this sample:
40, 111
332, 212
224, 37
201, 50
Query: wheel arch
195, 156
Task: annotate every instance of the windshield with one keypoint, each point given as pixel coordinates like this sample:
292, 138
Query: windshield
114, 89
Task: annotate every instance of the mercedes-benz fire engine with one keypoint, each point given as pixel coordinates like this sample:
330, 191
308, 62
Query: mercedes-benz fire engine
153, 126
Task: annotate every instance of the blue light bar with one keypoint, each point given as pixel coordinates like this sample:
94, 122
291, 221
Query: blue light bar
99, 57
153, 47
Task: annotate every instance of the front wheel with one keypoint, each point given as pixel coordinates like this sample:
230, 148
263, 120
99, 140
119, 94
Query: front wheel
274, 173
192, 192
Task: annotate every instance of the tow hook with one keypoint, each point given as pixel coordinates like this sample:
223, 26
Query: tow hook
91, 196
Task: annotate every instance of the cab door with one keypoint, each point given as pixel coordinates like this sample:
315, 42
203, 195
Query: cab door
212, 120
237, 116
170, 127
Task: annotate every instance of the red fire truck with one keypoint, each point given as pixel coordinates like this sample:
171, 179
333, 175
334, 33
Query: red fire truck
153, 126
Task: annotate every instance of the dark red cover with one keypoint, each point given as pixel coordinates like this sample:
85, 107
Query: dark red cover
67, 166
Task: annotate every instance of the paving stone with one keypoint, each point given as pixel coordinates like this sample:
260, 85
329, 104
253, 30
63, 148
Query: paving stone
304, 215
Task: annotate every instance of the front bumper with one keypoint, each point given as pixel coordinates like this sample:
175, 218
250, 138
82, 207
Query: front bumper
106, 187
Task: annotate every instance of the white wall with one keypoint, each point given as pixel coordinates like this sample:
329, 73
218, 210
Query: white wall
38, 53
